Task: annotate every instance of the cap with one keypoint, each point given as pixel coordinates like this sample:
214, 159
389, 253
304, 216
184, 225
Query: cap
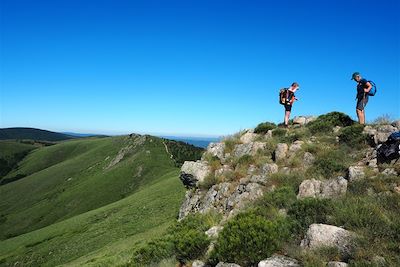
355, 74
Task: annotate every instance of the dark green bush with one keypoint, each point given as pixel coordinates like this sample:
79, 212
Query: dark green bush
189, 238
279, 132
308, 211
249, 238
330, 163
153, 252
326, 122
353, 136
282, 197
264, 127
245, 160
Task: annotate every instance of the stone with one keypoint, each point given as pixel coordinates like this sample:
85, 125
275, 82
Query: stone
198, 263
308, 159
281, 151
194, 172
331, 188
248, 149
268, 134
214, 231
269, 168
355, 173
299, 120
336, 129
216, 149
337, 264
252, 170
223, 264
259, 179
396, 124
248, 138
223, 170
279, 261
389, 171
296, 146
190, 204
323, 235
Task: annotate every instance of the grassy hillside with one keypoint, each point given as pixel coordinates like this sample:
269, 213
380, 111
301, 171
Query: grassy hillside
32, 133
73, 177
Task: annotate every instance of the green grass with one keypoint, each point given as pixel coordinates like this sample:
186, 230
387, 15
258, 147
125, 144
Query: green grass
105, 236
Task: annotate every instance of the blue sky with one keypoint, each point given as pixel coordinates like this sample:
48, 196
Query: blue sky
191, 67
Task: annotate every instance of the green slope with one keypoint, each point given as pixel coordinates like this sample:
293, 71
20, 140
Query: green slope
102, 237
77, 176
32, 133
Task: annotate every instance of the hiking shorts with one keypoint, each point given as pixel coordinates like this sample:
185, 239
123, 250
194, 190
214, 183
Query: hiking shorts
361, 103
288, 107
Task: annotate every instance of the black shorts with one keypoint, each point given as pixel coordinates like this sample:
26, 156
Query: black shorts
362, 102
288, 107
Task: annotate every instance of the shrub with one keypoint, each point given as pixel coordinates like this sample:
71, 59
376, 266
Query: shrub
153, 252
264, 127
353, 136
308, 211
249, 238
330, 163
190, 241
282, 197
326, 122
279, 132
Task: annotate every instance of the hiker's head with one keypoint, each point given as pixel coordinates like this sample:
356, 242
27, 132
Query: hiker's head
295, 85
356, 76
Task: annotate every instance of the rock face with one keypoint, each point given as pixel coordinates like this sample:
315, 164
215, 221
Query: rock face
281, 151
248, 138
279, 261
356, 173
269, 168
248, 149
193, 173
379, 134
308, 159
322, 235
303, 120
331, 188
216, 149
296, 146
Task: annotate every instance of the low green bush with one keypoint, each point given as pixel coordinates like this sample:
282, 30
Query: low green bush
330, 163
308, 211
249, 238
325, 123
282, 197
353, 136
264, 127
153, 252
189, 238
279, 132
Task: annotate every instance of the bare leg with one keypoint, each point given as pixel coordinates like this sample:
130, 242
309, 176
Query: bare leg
361, 116
287, 115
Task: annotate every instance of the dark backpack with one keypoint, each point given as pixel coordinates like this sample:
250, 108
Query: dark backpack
286, 97
372, 92
389, 150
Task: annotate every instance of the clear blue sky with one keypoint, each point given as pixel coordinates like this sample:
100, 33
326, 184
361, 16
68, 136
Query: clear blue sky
191, 67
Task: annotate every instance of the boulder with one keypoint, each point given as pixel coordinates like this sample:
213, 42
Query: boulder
303, 120
296, 146
355, 173
336, 129
269, 168
248, 148
216, 149
259, 179
337, 264
322, 235
396, 124
331, 188
194, 172
214, 231
268, 134
308, 159
248, 138
223, 264
281, 151
379, 134
279, 261
198, 263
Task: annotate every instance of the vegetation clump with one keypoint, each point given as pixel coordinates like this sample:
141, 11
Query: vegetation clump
325, 123
264, 127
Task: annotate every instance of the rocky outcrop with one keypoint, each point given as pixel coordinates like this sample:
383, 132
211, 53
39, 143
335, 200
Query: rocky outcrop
193, 173
379, 134
248, 137
279, 261
281, 151
247, 149
308, 159
322, 235
355, 173
303, 120
216, 150
331, 188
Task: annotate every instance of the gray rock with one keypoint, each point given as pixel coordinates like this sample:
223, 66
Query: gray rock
216, 149
299, 120
224, 170
336, 129
379, 134
396, 124
322, 235
337, 264
214, 231
389, 171
193, 173
269, 168
259, 179
252, 170
248, 149
268, 134
296, 146
248, 138
331, 188
190, 204
355, 173
308, 159
281, 151
223, 264
198, 263
279, 261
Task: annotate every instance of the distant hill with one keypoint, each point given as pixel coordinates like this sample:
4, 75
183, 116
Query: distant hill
84, 134
196, 141
33, 134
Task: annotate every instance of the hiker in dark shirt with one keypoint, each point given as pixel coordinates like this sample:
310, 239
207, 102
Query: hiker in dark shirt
363, 87
291, 98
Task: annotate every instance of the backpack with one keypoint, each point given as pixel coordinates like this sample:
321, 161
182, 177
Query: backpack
372, 92
286, 97
389, 150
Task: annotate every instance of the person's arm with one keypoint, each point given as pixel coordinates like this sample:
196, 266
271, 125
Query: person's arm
368, 87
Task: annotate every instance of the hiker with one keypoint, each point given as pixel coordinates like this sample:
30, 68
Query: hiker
363, 88
290, 98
